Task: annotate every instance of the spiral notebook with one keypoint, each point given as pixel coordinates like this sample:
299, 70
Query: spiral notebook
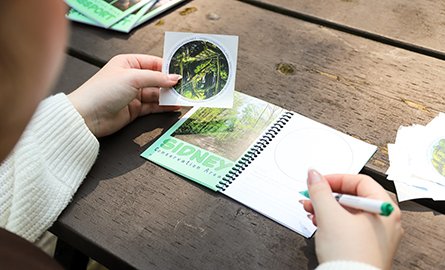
258, 154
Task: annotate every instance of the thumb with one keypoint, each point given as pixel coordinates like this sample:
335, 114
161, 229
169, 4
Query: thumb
320, 193
143, 78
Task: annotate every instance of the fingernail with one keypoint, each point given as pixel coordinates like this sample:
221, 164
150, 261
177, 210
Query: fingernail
313, 177
174, 77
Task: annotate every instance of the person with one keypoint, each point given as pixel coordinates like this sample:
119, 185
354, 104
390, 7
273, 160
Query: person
348, 239
47, 147
43, 165
60, 144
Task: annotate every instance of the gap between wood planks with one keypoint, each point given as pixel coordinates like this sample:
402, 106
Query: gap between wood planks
86, 57
348, 29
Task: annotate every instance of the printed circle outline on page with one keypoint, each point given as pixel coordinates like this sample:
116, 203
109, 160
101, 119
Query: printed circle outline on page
316, 148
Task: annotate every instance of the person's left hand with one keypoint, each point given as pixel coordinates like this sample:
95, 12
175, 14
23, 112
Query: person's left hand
125, 88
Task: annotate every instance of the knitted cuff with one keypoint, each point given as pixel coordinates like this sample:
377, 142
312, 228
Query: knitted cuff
65, 140
51, 159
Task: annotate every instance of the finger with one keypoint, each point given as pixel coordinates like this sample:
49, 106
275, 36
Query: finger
149, 62
149, 95
312, 218
361, 185
139, 61
150, 102
148, 78
148, 108
140, 107
307, 205
324, 204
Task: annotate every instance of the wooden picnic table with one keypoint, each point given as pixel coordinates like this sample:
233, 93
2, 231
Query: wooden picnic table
321, 59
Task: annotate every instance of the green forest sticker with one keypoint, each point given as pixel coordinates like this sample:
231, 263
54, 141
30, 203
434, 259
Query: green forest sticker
204, 69
438, 156
207, 64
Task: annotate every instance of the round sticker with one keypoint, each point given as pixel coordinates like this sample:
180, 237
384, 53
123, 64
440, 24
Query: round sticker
438, 156
204, 68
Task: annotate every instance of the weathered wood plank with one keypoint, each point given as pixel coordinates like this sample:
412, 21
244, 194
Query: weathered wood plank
133, 213
344, 81
419, 22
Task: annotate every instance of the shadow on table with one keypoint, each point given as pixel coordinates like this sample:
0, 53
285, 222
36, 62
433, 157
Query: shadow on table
120, 153
420, 206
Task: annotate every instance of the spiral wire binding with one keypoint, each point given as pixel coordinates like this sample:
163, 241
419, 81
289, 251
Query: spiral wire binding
254, 151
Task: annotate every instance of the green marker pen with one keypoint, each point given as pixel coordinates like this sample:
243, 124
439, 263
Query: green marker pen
360, 203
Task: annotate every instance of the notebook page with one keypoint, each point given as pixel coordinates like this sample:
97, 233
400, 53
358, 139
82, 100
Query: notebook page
271, 183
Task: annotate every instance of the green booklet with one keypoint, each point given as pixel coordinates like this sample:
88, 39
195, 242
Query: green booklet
124, 25
106, 12
160, 7
258, 154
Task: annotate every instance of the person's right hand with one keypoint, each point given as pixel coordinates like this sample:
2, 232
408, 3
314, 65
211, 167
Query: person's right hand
351, 235
125, 88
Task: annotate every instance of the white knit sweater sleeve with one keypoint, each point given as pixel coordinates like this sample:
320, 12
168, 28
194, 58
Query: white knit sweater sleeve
345, 265
46, 167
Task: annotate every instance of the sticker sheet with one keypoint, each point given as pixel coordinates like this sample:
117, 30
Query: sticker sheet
207, 64
417, 161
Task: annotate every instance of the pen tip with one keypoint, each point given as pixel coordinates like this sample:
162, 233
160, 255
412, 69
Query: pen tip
386, 209
305, 193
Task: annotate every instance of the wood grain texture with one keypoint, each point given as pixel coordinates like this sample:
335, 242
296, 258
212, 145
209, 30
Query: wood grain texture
419, 22
360, 87
130, 213
154, 219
